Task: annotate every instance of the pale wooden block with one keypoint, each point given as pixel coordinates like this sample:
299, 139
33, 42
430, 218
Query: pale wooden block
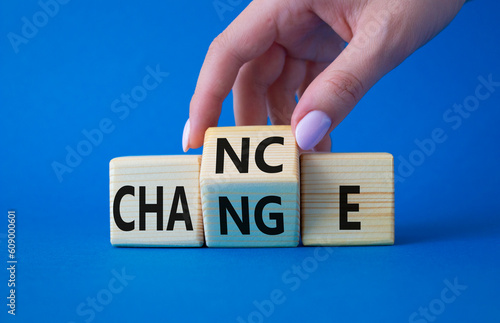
323, 175
178, 178
270, 191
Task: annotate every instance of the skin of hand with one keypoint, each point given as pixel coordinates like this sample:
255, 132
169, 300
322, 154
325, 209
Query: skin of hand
277, 49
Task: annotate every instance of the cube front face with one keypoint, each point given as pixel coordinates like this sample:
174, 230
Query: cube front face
250, 187
347, 199
155, 201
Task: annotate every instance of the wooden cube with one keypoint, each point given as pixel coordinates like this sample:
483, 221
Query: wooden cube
155, 201
250, 187
347, 199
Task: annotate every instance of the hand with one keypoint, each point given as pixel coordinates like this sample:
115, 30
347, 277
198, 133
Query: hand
276, 49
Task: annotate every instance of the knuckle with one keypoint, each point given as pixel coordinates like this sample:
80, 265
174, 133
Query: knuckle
346, 86
217, 43
223, 44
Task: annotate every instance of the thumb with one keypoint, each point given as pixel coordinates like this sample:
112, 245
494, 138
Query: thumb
335, 92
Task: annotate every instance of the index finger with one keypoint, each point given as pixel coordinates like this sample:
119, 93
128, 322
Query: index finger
247, 37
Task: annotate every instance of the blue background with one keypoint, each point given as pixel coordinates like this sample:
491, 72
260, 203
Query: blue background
64, 80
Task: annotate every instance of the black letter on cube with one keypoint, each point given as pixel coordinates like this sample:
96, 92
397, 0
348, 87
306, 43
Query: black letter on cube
223, 145
259, 155
122, 225
185, 216
243, 224
346, 207
278, 217
153, 208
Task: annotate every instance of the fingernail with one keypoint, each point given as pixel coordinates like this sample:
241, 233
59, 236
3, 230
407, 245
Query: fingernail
311, 129
185, 136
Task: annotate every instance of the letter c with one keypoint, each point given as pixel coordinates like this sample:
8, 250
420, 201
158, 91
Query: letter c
259, 155
122, 225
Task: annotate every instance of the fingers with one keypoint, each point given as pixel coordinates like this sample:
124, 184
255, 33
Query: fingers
281, 94
313, 69
336, 90
251, 86
249, 36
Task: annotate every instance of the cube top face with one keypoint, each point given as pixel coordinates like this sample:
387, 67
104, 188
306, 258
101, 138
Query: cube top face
250, 187
267, 154
363, 183
166, 188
